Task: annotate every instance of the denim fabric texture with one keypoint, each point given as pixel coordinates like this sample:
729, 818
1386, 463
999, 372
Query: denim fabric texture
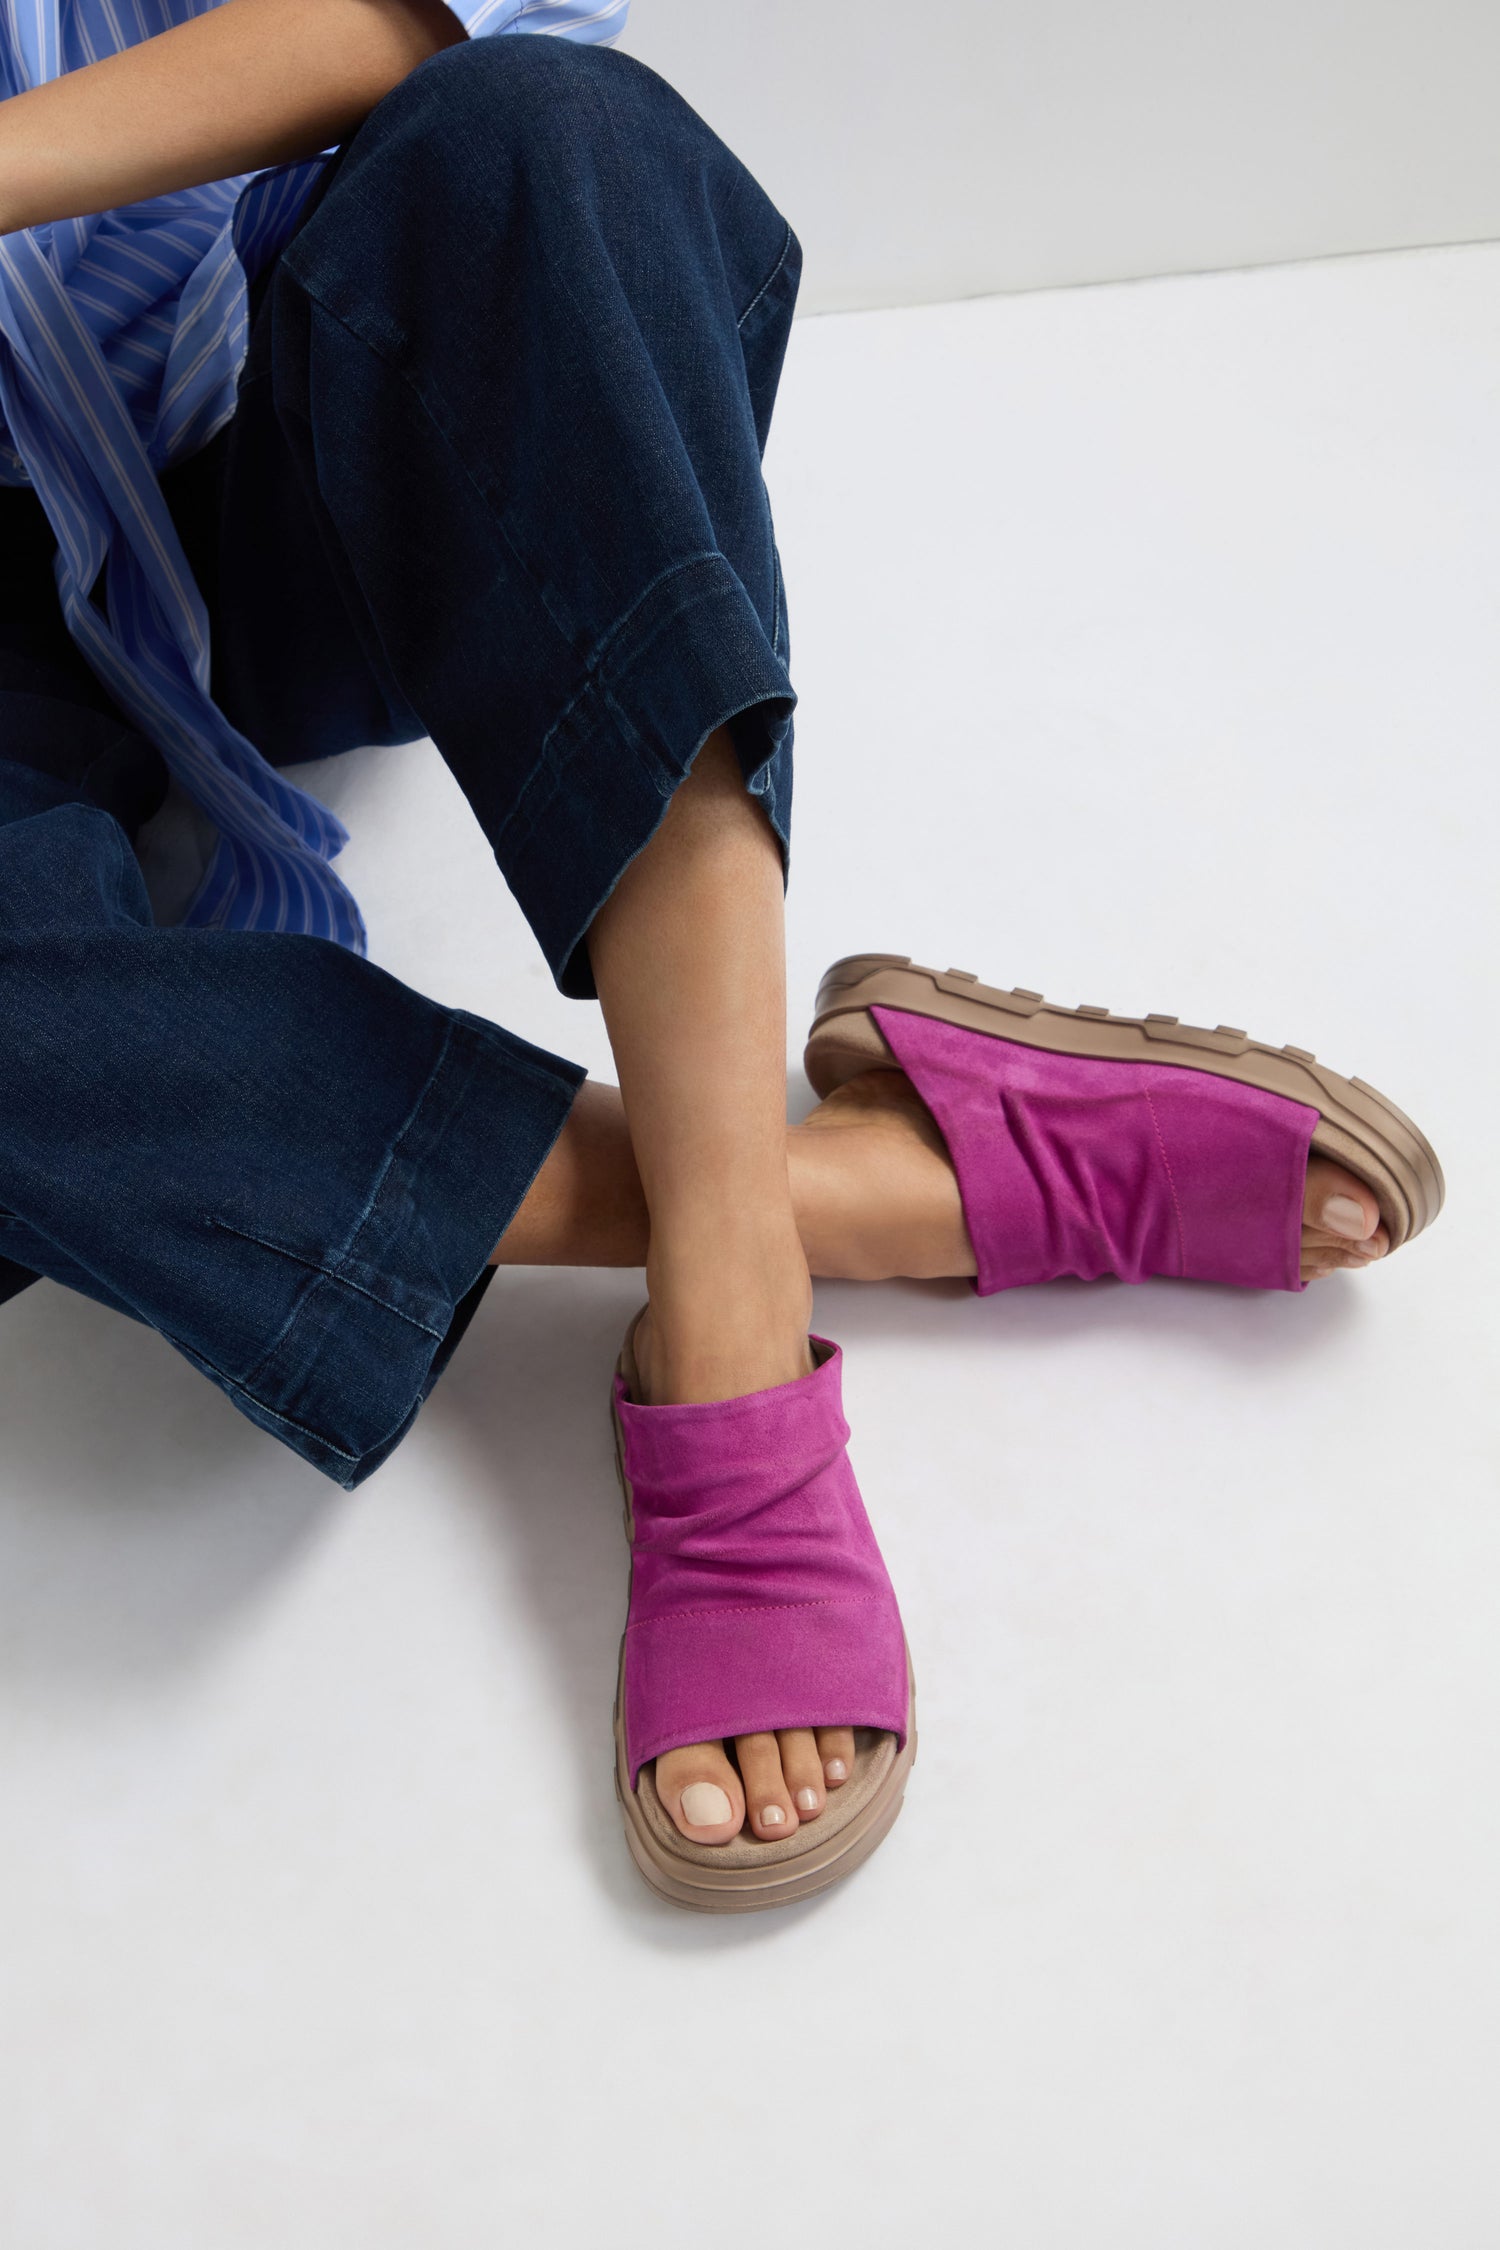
493, 476
122, 335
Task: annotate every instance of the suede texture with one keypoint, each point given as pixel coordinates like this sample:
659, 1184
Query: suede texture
1067, 1165
758, 1597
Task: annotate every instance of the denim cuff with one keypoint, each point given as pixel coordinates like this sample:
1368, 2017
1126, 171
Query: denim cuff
373, 1331
691, 656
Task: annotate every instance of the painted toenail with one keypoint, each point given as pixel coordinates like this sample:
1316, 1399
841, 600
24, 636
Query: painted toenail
807, 1800
704, 1805
772, 1816
1342, 1215
836, 1770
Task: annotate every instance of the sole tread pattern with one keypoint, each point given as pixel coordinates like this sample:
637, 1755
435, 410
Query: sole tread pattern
1358, 1125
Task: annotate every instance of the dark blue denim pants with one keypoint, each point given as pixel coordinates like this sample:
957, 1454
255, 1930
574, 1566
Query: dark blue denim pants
493, 476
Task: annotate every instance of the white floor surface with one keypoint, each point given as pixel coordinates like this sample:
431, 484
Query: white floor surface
1146, 644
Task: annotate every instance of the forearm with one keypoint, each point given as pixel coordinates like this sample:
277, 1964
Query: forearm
252, 83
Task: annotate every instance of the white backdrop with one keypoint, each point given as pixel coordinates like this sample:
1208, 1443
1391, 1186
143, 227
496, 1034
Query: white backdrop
1157, 669
988, 145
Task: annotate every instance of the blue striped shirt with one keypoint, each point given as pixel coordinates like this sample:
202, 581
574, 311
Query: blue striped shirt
121, 340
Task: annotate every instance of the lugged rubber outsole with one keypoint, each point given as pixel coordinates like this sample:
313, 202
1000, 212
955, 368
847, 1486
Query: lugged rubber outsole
1358, 1126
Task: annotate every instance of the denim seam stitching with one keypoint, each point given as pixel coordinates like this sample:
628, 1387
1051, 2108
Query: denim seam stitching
596, 683
593, 681
242, 1386
410, 1119
593, 671
242, 1390
594, 660
291, 1423
770, 277
403, 375
535, 805
590, 658
346, 1246
522, 1068
295, 1257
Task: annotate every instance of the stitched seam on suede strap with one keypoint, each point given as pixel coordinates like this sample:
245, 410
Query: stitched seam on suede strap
755, 1609
1171, 1184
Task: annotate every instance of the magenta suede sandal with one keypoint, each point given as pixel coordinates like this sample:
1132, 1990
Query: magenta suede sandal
1091, 1144
758, 1600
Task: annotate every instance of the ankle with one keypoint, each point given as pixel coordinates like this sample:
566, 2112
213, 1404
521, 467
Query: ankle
874, 1187
738, 1256
715, 1334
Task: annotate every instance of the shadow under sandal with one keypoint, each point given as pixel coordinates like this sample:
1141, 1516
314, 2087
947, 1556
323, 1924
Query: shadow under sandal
758, 1601
1091, 1144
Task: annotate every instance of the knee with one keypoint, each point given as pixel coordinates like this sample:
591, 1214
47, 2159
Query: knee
505, 152
571, 135
517, 98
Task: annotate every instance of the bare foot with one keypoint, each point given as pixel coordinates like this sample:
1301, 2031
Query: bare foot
874, 1188
772, 1782
879, 1185
876, 1197
1340, 1222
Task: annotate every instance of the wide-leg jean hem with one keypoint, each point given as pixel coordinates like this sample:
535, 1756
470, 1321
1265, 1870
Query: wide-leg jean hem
693, 656
374, 1329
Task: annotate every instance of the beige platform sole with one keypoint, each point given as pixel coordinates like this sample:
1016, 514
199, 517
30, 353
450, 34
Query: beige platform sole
1357, 1126
745, 1876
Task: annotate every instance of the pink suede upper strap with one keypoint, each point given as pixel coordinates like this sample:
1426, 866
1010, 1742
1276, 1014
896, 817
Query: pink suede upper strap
758, 1597
1068, 1165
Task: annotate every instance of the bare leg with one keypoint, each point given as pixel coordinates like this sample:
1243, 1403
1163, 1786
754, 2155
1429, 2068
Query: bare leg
872, 1189
690, 1169
689, 957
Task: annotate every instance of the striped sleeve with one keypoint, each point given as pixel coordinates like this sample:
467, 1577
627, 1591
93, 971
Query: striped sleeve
595, 22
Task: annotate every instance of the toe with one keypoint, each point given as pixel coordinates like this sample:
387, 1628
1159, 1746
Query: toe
1321, 1259
802, 1770
702, 1793
1336, 1206
836, 1752
772, 1813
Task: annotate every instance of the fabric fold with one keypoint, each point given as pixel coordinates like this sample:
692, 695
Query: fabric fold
759, 1599
122, 335
1068, 1165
